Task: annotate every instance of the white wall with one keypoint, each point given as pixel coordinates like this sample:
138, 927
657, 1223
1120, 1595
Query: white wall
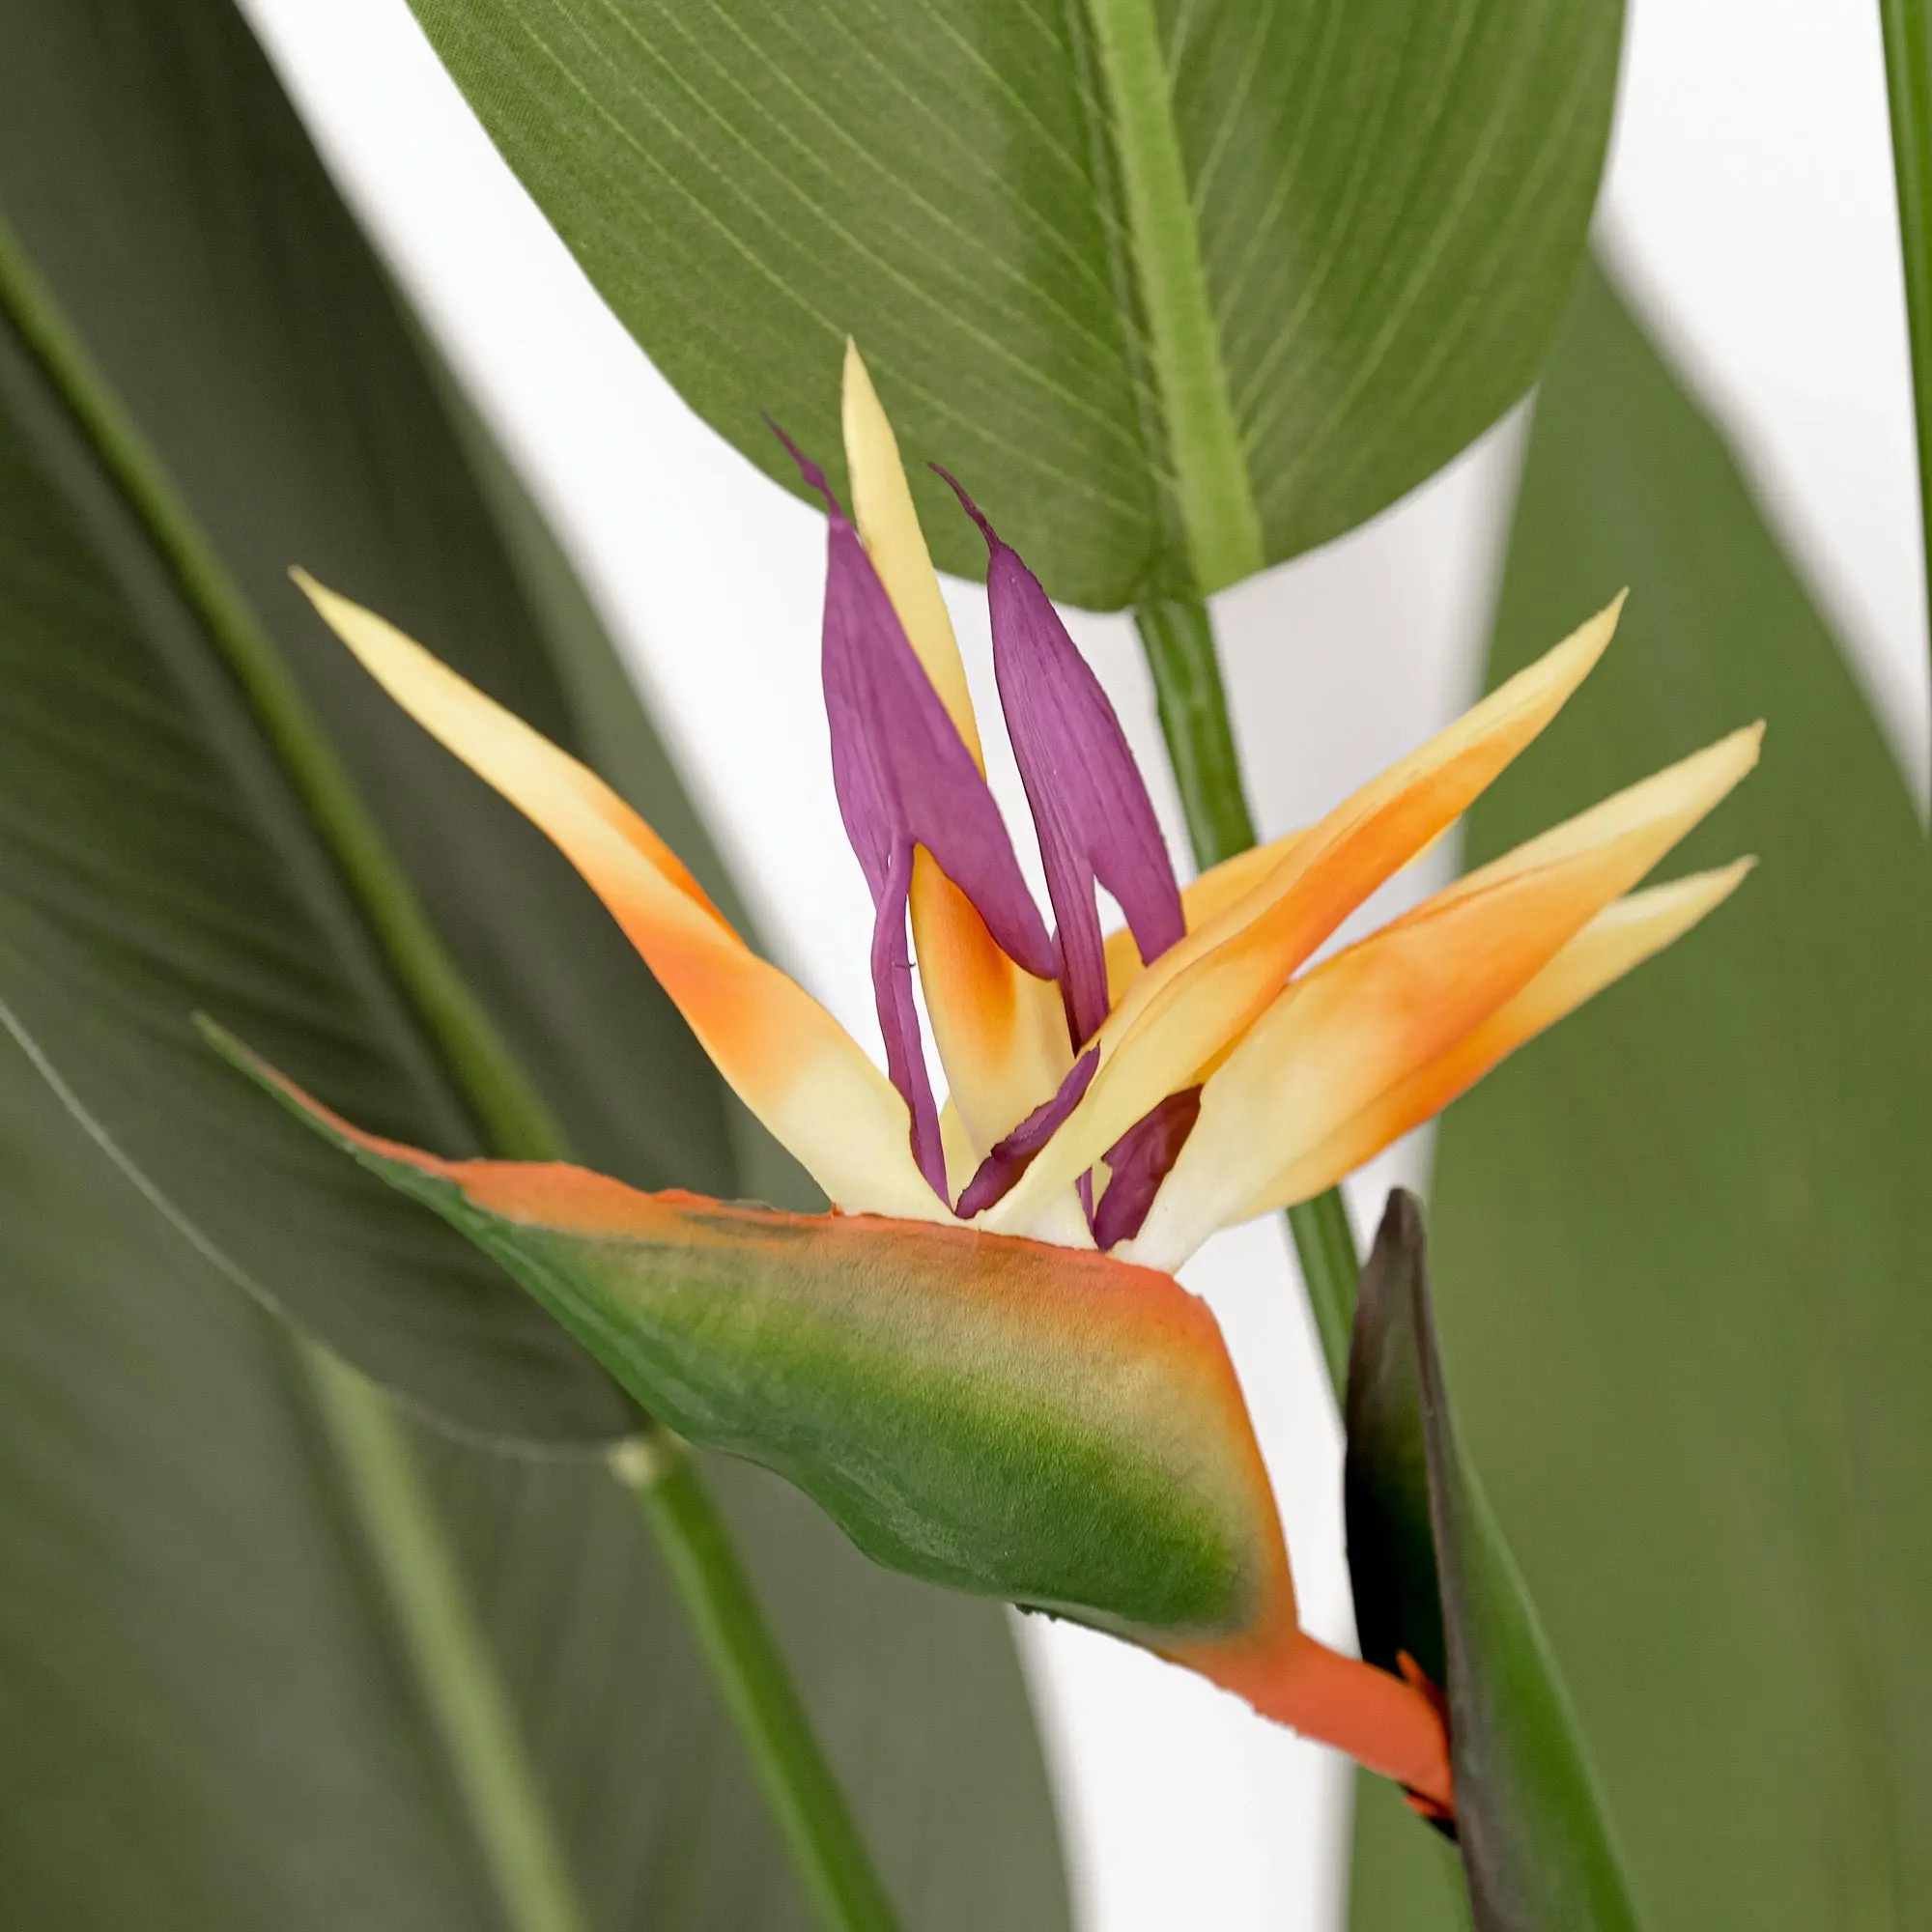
1749, 207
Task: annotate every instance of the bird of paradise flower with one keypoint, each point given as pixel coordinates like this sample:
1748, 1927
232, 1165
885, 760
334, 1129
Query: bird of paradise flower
979, 1362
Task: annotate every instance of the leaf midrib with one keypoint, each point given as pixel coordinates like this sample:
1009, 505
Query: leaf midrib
1220, 519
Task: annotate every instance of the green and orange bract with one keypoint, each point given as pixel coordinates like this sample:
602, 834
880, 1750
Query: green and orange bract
1061, 1431
949, 1363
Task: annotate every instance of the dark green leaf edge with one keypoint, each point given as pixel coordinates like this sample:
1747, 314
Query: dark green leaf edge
1536, 1843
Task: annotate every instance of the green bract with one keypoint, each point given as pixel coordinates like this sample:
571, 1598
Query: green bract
1037, 1424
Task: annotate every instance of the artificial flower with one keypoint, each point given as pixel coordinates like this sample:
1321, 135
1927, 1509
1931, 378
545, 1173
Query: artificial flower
981, 1362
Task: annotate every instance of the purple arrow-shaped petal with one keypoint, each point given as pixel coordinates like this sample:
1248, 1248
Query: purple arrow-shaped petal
905, 778
1090, 808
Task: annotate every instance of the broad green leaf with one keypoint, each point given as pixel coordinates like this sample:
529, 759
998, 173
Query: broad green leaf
152, 862
1908, 75
209, 1719
1178, 289
1535, 1846
1679, 1244
204, 1719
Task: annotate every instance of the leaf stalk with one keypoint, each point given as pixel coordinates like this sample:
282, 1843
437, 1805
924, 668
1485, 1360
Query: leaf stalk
1218, 513
806, 1802
1178, 636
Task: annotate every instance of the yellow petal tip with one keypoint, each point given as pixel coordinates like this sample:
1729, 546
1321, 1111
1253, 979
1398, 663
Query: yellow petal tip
888, 524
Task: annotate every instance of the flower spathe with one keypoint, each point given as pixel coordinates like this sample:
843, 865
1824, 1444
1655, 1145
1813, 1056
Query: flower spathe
1135, 1092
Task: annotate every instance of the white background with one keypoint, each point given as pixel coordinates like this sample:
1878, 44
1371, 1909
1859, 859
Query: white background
1748, 209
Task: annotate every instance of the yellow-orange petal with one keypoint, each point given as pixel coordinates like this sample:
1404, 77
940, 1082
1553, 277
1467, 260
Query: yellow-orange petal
1201, 899
1001, 1034
1185, 1011
788, 1060
1617, 940
1359, 1024
888, 525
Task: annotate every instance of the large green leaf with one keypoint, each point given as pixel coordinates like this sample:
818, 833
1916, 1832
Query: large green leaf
203, 1720
153, 858
1681, 1243
1179, 289
208, 1719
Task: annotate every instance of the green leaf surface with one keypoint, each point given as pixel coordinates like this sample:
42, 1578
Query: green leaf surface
179, 1563
209, 1717
1680, 1244
1535, 1845
1179, 289
153, 860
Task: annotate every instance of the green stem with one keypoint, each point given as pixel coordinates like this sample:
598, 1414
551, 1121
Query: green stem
459, 1674
459, 1678
1178, 636
1178, 640
1908, 73
1331, 1267
1216, 496
810, 1810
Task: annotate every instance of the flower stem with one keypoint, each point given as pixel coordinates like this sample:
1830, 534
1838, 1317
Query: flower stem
812, 1816
1908, 73
1178, 636
1331, 1266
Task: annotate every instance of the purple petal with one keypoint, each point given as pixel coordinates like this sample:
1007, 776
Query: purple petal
1139, 1162
1091, 812
1014, 1154
899, 1018
905, 778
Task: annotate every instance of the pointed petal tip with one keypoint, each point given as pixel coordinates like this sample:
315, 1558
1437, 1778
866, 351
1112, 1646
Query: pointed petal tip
966, 504
1591, 639
1729, 760
814, 477
1666, 913
319, 593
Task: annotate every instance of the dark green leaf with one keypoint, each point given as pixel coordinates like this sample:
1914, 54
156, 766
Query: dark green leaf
153, 861
203, 1721
208, 1720
1534, 1842
1680, 1244
1242, 307
1392, 1574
